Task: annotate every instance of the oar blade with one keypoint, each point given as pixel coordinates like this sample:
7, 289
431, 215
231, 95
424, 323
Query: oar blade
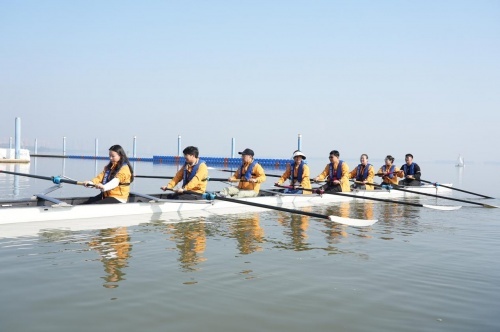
443, 207
352, 221
491, 206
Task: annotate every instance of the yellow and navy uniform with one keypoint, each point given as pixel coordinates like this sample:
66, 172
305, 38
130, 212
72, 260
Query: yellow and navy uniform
199, 181
257, 174
122, 191
386, 174
306, 180
370, 174
344, 180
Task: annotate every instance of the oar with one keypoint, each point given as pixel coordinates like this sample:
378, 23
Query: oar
55, 179
224, 179
340, 220
153, 177
270, 175
432, 195
171, 177
444, 186
435, 207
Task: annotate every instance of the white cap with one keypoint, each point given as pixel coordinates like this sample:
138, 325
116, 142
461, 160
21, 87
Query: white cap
298, 153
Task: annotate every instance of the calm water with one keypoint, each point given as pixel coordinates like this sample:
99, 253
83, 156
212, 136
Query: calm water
416, 269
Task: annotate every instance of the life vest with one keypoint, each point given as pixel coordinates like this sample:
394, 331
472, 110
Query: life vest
362, 177
248, 173
187, 177
299, 173
335, 175
106, 179
391, 171
409, 170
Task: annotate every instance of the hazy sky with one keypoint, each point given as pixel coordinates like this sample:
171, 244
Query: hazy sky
376, 77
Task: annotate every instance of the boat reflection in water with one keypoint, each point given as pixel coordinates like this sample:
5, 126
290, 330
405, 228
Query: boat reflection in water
190, 239
335, 232
248, 233
295, 229
113, 246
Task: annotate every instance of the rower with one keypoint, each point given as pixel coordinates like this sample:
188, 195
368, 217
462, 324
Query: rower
411, 172
363, 174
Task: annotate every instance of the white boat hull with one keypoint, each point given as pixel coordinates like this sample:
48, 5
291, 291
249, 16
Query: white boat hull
15, 215
10, 215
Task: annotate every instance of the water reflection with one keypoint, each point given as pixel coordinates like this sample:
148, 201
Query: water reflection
113, 245
399, 219
191, 241
254, 232
364, 210
12, 185
248, 233
295, 229
334, 231
16, 180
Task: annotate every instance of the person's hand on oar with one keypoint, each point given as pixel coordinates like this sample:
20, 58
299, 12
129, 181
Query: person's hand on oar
165, 188
89, 184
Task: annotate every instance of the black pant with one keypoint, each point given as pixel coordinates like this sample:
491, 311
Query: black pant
358, 186
332, 188
411, 182
185, 197
99, 200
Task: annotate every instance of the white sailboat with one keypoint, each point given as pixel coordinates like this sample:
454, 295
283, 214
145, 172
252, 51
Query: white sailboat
460, 161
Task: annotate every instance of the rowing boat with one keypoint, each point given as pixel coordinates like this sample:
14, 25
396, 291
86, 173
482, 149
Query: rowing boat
42, 207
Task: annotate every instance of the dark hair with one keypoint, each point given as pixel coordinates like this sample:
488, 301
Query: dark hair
409, 155
123, 159
192, 150
391, 158
364, 154
335, 153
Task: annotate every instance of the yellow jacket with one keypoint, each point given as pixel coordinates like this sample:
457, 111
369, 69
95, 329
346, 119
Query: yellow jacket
196, 184
386, 180
123, 189
370, 177
344, 180
306, 180
257, 174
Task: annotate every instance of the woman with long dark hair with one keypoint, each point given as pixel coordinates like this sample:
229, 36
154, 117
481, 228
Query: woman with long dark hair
114, 181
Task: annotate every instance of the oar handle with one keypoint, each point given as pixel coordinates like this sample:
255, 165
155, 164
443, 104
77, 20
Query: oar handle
270, 175
224, 179
171, 177
153, 177
388, 173
318, 191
